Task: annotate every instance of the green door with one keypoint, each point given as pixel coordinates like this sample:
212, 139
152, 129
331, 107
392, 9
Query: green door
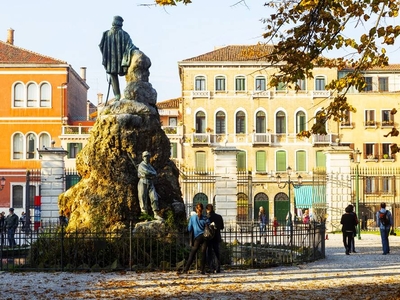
261, 199
281, 202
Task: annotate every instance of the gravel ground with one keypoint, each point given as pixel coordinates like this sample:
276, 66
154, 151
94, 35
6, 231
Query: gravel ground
366, 274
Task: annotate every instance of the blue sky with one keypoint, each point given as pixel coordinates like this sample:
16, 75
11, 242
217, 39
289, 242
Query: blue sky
71, 31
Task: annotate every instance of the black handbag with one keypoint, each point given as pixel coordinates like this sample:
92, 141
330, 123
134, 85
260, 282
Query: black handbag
209, 232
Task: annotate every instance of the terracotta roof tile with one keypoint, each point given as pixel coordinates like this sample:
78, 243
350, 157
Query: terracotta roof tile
235, 53
172, 103
10, 54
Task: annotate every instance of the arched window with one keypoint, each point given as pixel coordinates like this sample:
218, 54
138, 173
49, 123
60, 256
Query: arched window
281, 161
19, 95
220, 121
45, 95
280, 122
301, 161
200, 122
200, 83
240, 122
30, 146
300, 121
32, 95
260, 122
18, 146
44, 140
261, 161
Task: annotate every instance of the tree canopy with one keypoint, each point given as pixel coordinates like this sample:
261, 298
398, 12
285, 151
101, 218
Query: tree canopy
304, 31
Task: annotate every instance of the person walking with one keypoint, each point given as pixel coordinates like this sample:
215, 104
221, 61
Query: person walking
197, 223
348, 223
214, 243
385, 222
11, 224
352, 241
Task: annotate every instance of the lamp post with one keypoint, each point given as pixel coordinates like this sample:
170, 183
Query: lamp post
289, 183
2, 183
356, 160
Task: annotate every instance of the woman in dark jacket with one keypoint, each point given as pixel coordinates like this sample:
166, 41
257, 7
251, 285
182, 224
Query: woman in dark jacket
348, 223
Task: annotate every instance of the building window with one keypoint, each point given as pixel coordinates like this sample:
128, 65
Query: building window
345, 118
370, 117
387, 185
240, 83
260, 122
260, 83
30, 146
368, 84
281, 87
300, 121
370, 150
18, 146
301, 84
200, 122
301, 161
387, 118
220, 84
17, 196
386, 153
241, 161
319, 83
174, 150
383, 84
201, 161
44, 140
19, 95
242, 207
73, 149
45, 95
261, 161
280, 161
32, 95
280, 120
220, 123
240, 122
370, 186
200, 83
320, 159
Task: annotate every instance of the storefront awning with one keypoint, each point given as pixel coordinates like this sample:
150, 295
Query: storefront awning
307, 195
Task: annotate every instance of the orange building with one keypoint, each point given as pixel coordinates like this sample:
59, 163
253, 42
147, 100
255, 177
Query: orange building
38, 95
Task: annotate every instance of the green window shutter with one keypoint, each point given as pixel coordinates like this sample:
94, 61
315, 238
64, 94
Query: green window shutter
69, 150
241, 161
200, 161
301, 161
79, 148
321, 159
174, 150
261, 161
281, 161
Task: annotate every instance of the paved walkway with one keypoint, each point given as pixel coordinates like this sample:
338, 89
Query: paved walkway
364, 275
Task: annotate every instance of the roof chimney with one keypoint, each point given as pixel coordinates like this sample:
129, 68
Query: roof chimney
83, 73
10, 36
99, 98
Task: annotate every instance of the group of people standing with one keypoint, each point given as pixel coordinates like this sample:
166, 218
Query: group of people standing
196, 227
8, 225
350, 221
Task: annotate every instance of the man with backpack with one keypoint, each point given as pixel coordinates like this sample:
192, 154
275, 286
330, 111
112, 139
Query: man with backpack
384, 221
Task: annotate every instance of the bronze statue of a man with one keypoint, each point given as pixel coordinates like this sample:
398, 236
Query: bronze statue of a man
116, 48
146, 188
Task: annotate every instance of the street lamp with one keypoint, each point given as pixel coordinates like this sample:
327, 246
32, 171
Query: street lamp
2, 183
289, 183
356, 160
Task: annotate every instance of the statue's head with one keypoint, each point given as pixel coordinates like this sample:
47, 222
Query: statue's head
146, 154
117, 21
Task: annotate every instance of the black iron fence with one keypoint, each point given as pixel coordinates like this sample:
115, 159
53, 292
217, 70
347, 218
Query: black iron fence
244, 246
